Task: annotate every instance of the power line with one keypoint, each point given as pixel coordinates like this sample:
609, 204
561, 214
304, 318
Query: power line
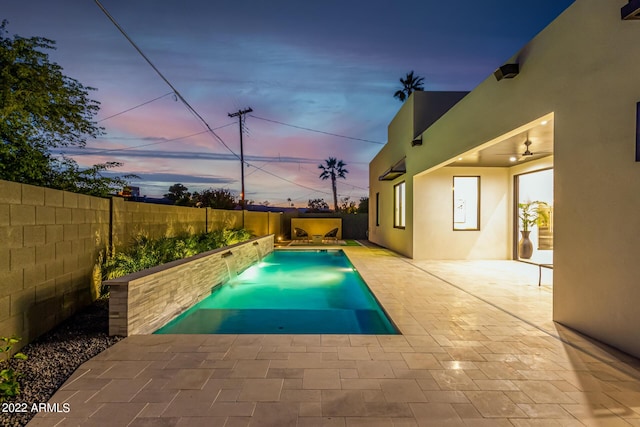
112, 150
288, 180
240, 114
193, 111
173, 88
133, 108
317, 131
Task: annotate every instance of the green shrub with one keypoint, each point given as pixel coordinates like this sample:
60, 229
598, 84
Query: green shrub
146, 253
9, 385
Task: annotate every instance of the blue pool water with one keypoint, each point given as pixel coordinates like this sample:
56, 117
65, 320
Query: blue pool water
289, 292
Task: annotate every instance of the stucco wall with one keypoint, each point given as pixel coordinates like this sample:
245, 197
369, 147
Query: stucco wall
434, 237
582, 69
317, 226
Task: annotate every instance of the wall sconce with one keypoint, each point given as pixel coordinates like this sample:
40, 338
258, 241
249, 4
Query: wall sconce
631, 10
416, 141
507, 71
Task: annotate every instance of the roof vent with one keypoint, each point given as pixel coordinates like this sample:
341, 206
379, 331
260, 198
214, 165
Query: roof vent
631, 10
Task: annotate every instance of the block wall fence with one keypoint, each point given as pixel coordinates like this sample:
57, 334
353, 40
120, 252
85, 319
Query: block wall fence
51, 241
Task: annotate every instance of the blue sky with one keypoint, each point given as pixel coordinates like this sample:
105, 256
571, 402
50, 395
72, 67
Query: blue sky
331, 66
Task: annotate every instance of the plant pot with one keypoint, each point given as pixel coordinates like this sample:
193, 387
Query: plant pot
525, 246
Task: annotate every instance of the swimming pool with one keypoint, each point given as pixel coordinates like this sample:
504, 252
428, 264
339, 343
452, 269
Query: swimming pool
289, 292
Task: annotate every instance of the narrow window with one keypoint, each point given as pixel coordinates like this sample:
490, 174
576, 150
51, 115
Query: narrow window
377, 209
466, 203
638, 132
399, 203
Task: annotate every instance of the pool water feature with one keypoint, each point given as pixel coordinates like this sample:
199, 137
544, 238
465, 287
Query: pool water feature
289, 292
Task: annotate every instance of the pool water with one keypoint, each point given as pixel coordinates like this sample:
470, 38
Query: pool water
289, 292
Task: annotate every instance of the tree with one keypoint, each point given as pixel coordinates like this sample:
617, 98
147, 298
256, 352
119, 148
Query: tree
41, 109
333, 169
70, 177
220, 198
179, 195
317, 205
363, 206
410, 84
348, 206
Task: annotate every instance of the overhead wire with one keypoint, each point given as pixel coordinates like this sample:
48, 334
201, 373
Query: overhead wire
173, 88
133, 108
111, 150
199, 117
317, 131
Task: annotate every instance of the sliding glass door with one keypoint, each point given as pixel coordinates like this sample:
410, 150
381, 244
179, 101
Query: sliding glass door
534, 196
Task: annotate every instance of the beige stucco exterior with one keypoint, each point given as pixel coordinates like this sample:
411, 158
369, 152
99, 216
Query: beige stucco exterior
581, 71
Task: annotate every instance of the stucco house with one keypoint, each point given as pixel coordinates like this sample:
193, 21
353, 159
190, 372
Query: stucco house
561, 127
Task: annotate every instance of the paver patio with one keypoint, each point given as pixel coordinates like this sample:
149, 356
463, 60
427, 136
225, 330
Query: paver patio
478, 349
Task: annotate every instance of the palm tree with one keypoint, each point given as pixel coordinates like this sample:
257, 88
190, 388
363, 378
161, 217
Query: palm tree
333, 169
410, 84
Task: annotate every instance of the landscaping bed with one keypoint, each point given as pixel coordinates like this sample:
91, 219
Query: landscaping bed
53, 357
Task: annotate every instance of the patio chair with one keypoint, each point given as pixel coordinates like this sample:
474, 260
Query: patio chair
331, 235
300, 234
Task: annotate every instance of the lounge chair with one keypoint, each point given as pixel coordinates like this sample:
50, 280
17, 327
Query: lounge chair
300, 234
331, 235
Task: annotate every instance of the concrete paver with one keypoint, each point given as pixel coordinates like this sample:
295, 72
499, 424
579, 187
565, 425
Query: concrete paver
478, 348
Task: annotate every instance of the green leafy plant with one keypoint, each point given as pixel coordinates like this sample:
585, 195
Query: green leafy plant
146, 253
9, 385
43, 111
532, 213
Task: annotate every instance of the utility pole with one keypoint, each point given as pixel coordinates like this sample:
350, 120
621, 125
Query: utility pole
239, 114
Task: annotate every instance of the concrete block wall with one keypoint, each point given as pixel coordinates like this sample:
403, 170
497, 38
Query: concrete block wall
263, 223
131, 219
49, 242
142, 302
259, 223
218, 219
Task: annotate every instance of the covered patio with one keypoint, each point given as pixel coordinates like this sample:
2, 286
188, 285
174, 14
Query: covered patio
478, 348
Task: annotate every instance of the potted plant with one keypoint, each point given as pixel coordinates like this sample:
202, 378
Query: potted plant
530, 214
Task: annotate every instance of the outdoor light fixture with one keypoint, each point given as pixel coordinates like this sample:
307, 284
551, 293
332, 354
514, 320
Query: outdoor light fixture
631, 10
507, 71
416, 141
398, 169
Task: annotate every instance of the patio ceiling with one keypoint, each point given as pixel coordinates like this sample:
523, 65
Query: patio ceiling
501, 154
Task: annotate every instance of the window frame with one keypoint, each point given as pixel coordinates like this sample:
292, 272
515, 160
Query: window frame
465, 210
400, 205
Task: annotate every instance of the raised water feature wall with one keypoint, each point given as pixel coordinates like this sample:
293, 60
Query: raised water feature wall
142, 302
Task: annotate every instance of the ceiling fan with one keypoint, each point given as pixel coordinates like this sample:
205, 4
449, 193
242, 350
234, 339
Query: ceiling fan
527, 152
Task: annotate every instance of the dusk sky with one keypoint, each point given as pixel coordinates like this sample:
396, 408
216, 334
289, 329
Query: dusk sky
331, 66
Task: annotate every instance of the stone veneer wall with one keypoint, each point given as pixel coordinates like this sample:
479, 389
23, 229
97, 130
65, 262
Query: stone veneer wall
142, 302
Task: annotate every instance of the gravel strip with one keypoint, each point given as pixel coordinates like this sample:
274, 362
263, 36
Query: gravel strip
53, 357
